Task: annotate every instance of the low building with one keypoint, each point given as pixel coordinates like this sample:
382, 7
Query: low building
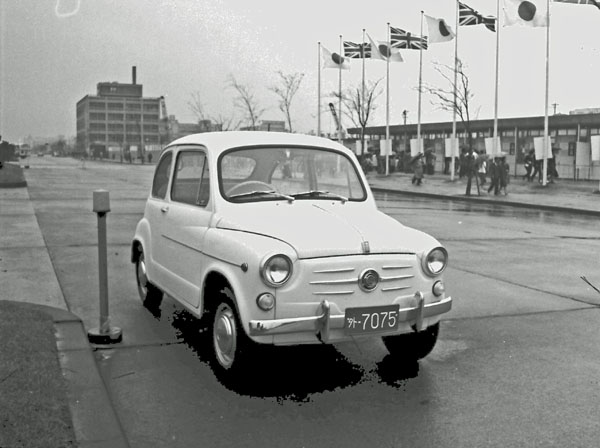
575, 139
267, 125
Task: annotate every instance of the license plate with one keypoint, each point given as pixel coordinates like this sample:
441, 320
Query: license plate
371, 319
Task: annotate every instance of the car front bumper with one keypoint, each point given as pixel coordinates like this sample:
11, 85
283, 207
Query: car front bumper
323, 322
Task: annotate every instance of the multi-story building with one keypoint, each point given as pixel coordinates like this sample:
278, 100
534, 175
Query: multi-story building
118, 121
575, 138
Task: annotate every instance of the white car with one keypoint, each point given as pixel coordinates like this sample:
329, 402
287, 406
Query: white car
276, 239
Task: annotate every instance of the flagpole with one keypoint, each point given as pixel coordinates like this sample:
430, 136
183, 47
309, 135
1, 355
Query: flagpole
420, 81
453, 142
495, 144
546, 137
387, 100
362, 51
340, 97
319, 91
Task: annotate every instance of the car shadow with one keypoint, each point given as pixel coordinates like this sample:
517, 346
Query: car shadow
290, 373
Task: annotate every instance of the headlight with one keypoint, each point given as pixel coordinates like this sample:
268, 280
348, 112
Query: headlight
276, 270
435, 261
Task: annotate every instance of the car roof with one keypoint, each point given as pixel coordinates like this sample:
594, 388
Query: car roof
221, 141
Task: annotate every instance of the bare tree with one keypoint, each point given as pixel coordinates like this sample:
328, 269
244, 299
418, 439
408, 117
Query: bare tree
460, 103
196, 106
445, 99
286, 91
224, 123
359, 105
246, 102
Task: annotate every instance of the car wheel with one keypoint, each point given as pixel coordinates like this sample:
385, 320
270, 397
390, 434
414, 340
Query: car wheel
230, 345
150, 295
412, 346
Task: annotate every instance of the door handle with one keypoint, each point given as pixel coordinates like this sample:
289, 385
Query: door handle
165, 209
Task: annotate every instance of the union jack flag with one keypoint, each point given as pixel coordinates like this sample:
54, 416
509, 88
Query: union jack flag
357, 51
468, 16
582, 2
403, 39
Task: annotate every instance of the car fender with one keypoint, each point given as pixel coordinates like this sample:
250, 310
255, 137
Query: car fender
237, 256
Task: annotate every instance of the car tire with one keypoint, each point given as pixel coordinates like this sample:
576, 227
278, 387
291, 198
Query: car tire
230, 346
412, 346
150, 295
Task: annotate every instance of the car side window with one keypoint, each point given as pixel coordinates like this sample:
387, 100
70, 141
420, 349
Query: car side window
191, 179
161, 177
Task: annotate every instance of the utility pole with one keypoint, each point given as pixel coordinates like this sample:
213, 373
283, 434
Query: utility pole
404, 115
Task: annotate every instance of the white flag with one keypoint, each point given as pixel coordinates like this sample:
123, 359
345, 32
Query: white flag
439, 31
525, 13
334, 60
383, 51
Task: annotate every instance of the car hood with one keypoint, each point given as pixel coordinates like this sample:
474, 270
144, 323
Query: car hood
321, 230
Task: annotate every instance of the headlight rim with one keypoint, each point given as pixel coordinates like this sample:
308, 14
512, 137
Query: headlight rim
425, 263
263, 270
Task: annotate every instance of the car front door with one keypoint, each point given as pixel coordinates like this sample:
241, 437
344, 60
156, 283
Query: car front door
185, 224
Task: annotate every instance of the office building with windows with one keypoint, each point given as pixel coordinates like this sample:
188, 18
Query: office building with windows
118, 121
575, 140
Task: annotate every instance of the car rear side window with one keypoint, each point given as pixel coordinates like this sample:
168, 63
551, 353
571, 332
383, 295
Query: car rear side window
190, 181
161, 177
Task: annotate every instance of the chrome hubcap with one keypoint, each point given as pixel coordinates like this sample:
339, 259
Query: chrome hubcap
225, 336
142, 277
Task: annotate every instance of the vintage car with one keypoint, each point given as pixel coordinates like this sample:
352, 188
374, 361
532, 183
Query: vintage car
275, 238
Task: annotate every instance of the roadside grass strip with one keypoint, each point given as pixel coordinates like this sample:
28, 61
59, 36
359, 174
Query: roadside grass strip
34, 410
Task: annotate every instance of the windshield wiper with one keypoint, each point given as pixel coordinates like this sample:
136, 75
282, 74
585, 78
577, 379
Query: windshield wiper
319, 193
272, 193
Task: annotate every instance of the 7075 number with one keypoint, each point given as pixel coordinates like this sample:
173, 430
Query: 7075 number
364, 321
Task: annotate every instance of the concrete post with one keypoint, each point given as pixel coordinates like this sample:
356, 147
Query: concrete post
104, 334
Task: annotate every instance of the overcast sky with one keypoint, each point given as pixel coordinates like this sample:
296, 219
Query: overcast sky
54, 52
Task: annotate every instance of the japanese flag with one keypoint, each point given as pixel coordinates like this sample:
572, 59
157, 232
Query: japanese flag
439, 31
532, 13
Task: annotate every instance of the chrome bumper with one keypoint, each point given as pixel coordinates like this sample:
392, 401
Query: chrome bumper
324, 321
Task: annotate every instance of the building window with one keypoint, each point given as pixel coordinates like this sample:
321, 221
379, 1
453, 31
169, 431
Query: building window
115, 127
150, 107
115, 106
150, 128
571, 131
97, 105
134, 106
512, 148
583, 132
97, 126
148, 117
115, 117
151, 138
133, 117
117, 138
572, 146
97, 116
97, 137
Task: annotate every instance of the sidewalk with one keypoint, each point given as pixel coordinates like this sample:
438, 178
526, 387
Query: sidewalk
562, 195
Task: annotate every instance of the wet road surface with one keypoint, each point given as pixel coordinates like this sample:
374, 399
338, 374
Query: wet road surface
516, 363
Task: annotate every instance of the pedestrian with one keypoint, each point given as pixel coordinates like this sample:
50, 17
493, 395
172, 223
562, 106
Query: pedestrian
482, 170
503, 169
537, 169
417, 166
494, 170
529, 159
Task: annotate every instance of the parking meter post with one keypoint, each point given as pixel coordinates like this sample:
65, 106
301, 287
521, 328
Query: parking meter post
104, 334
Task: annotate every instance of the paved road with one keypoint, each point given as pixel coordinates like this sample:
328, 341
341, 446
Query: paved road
516, 364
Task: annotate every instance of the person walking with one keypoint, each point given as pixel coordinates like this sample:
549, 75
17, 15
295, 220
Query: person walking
503, 169
494, 176
529, 159
417, 166
482, 170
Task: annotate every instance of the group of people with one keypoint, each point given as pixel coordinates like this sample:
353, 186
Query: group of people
534, 167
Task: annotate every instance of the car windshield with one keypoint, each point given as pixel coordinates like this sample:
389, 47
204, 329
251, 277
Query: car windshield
288, 173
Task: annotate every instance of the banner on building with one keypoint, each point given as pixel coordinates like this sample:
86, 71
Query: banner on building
538, 144
385, 147
414, 147
358, 147
449, 149
595, 142
489, 146
582, 152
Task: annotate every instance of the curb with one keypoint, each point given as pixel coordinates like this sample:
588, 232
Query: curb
95, 422
479, 199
